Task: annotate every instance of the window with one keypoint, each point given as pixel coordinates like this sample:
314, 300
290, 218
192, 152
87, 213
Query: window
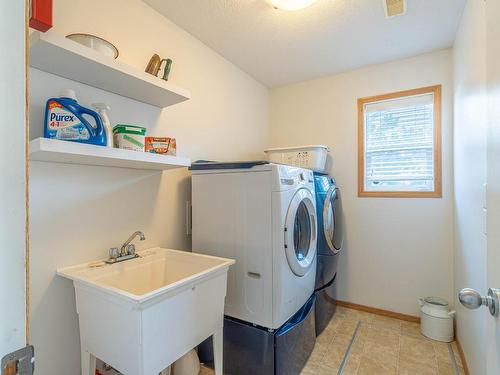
399, 142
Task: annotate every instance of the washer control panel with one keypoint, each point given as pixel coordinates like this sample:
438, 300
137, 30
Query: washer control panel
292, 177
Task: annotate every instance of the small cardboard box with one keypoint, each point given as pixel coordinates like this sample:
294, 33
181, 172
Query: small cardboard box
161, 145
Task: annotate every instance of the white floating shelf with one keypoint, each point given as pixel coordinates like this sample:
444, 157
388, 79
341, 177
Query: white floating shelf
56, 151
58, 55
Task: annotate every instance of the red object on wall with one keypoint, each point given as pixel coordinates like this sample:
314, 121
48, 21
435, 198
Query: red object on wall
41, 15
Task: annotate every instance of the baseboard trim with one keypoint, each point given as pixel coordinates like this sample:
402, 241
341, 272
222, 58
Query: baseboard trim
374, 310
462, 356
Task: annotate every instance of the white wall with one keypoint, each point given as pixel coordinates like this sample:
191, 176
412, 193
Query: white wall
78, 212
12, 178
469, 176
396, 249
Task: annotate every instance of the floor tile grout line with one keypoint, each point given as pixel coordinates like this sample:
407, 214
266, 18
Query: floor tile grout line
348, 351
399, 350
453, 360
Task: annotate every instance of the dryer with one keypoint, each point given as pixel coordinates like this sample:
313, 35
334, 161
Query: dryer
329, 246
264, 217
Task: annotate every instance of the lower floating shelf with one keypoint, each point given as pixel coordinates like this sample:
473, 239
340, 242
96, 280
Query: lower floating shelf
56, 151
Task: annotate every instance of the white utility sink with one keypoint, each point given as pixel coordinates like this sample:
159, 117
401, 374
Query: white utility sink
142, 314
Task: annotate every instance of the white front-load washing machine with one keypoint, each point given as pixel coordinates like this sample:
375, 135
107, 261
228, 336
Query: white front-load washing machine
264, 217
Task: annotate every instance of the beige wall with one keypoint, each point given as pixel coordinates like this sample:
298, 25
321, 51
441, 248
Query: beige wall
396, 250
78, 212
470, 130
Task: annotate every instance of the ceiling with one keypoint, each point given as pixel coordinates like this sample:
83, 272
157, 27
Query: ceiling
278, 47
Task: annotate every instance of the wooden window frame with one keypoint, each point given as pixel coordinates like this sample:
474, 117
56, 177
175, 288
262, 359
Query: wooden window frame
437, 193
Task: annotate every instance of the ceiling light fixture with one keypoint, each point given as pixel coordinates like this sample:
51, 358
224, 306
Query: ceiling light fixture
291, 4
394, 7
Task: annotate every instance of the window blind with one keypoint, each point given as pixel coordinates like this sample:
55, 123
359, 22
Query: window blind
399, 144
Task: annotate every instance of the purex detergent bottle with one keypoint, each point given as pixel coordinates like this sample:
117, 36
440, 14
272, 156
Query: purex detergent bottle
64, 119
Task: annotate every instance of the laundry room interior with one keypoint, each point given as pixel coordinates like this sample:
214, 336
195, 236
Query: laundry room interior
257, 187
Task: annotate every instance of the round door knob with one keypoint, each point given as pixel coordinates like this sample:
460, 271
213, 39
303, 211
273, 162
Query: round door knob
472, 299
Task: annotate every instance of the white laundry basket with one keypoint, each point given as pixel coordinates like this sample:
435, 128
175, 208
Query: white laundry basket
309, 157
436, 321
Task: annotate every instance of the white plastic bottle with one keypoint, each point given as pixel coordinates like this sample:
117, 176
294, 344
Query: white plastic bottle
101, 109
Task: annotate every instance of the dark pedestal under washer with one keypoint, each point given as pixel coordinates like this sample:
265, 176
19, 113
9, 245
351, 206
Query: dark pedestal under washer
329, 245
254, 350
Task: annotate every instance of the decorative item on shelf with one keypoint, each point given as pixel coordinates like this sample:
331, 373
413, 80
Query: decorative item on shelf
166, 70
41, 15
161, 145
96, 43
154, 66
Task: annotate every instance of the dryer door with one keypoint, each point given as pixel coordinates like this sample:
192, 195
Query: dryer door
300, 232
332, 220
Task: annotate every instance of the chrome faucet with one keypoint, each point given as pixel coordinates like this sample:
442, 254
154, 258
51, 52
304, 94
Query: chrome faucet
127, 250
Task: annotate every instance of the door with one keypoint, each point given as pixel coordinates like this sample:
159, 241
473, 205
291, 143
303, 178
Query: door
300, 232
470, 298
12, 182
493, 176
332, 220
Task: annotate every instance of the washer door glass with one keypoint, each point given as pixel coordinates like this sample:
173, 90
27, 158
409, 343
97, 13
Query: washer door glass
332, 220
300, 232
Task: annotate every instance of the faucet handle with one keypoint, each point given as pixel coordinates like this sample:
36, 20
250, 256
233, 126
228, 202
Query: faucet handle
131, 249
114, 253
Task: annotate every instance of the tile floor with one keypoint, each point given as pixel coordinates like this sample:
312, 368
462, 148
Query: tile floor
382, 346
